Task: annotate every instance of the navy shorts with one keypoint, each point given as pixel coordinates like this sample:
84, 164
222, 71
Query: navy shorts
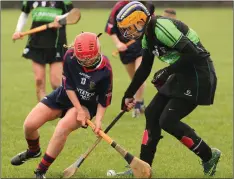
132, 53
52, 102
44, 55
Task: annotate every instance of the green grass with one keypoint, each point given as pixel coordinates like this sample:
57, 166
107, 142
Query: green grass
213, 124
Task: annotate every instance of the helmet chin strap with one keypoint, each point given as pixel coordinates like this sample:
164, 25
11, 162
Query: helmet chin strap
96, 64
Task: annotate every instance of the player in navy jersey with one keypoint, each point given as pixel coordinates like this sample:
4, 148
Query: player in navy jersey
130, 56
86, 92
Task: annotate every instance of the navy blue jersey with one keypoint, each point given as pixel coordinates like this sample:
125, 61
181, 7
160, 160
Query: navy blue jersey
91, 86
111, 26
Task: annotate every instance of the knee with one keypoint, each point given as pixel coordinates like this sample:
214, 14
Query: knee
62, 130
164, 123
29, 127
61, 133
39, 81
147, 112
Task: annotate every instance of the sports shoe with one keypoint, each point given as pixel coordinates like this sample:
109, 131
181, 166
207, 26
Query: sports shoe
210, 166
127, 173
39, 174
138, 109
22, 157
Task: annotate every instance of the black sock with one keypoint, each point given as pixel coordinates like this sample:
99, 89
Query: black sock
198, 146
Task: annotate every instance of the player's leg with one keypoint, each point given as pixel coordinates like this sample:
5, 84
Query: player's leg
65, 126
139, 107
56, 70
152, 132
170, 121
54, 57
39, 115
39, 71
39, 68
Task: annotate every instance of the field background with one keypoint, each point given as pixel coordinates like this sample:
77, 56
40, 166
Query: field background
214, 124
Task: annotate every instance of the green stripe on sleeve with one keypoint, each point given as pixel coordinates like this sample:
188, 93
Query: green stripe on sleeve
144, 43
167, 32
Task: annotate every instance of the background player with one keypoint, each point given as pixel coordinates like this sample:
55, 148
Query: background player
86, 91
44, 47
188, 81
169, 12
130, 56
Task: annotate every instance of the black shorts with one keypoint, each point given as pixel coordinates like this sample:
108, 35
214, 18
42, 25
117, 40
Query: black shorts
44, 55
132, 53
52, 102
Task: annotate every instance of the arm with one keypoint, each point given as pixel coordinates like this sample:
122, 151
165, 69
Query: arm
21, 22
73, 98
111, 26
70, 90
141, 74
99, 116
104, 100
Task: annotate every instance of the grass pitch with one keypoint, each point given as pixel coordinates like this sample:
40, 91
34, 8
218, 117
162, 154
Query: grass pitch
173, 160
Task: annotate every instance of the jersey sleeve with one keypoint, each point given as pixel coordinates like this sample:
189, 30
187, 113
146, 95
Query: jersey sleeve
25, 7
111, 25
67, 6
67, 78
105, 91
168, 34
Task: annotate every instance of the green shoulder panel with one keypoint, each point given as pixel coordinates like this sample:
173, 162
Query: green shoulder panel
67, 2
192, 35
167, 33
144, 42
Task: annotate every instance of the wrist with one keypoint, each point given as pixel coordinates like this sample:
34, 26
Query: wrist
79, 108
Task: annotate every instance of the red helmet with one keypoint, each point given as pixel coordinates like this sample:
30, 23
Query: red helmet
87, 49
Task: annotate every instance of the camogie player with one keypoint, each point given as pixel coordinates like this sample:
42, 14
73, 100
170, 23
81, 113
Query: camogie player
171, 13
189, 81
130, 56
86, 92
44, 47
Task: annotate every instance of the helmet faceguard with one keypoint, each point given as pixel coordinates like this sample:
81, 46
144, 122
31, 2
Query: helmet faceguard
132, 20
87, 49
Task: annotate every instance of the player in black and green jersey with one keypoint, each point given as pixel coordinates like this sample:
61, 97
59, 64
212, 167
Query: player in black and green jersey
44, 47
187, 82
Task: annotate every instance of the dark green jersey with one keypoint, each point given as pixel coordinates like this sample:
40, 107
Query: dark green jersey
169, 38
44, 12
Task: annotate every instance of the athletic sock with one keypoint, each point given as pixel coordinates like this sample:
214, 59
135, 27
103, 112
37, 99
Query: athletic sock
33, 146
149, 147
198, 146
45, 163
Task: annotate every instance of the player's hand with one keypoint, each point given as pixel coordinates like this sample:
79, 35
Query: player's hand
17, 35
82, 117
56, 23
127, 103
160, 78
121, 47
98, 127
